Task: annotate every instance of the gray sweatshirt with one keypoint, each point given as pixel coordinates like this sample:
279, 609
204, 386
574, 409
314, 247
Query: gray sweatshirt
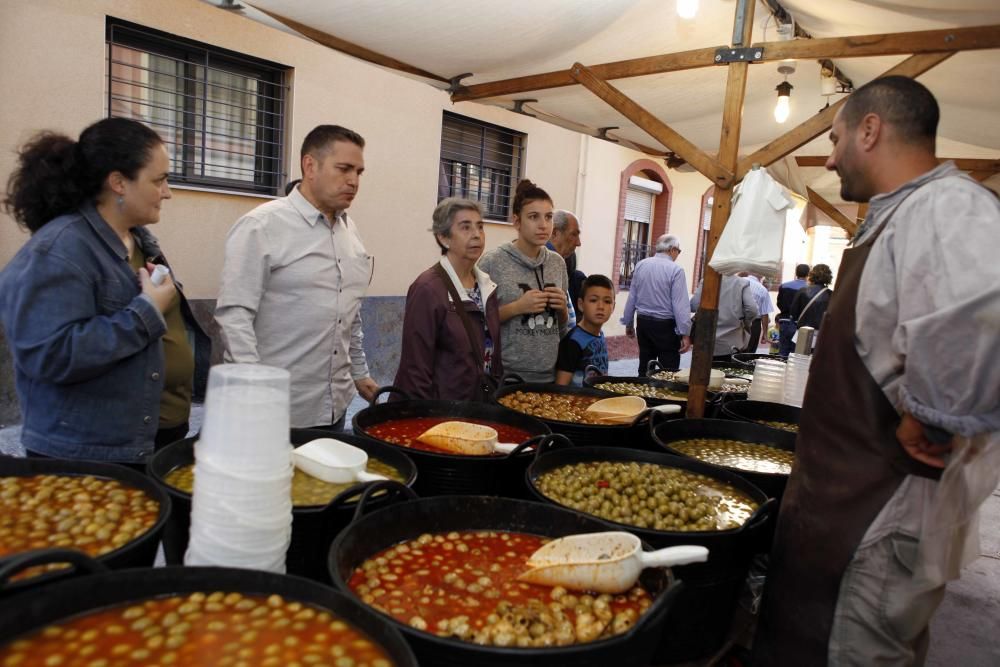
529, 343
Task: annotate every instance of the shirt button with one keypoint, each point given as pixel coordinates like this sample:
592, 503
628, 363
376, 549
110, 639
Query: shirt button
335, 351
147, 419
155, 376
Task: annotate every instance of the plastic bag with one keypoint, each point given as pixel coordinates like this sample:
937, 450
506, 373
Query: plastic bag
755, 231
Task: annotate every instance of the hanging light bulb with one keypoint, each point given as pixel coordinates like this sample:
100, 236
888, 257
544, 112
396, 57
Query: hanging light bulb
782, 109
686, 9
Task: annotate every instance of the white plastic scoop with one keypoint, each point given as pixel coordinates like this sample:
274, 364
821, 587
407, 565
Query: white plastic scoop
460, 437
602, 562
334, 461
625, 409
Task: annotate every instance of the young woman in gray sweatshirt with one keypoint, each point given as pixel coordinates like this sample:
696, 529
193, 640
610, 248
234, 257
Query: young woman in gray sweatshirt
531, 287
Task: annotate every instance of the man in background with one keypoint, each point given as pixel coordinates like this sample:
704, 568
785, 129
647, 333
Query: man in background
786, 294
657, 312
565, 240
758, 328
294, 274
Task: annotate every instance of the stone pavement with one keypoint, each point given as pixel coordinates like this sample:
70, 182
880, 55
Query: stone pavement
964, 632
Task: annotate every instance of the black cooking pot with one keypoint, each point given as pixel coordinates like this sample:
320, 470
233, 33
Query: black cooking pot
454, 474
756, 411
371, 533
773, 484
62, 600
140, 552
713, 398
312, 527
589, 435
699, 622
750, 358
595, 380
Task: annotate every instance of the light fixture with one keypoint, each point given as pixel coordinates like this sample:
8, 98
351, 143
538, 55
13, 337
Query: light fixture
782, 109
687, 9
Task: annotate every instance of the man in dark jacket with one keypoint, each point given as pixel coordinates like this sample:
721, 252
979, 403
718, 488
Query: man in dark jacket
786, 294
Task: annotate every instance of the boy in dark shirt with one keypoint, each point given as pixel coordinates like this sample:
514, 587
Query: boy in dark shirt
584, 345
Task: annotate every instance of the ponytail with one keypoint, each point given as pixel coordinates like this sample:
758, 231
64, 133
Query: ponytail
56, 175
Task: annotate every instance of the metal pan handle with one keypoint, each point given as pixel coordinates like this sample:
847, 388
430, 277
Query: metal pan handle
552, 441
393, 488
762, 514
389, 389
81, 562
511, 378
653, 366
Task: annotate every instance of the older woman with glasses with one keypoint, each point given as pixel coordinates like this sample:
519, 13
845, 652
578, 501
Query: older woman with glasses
451, 328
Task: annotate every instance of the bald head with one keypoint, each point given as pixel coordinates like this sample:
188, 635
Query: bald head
565, 233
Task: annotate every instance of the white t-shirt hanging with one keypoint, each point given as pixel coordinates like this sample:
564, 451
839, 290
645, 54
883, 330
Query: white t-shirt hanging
755, 231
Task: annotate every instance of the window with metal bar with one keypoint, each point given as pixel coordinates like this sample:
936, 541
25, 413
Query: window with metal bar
221, 114
480, 161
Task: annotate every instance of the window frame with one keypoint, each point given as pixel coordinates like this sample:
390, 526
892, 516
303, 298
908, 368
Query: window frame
270, 148
495, 209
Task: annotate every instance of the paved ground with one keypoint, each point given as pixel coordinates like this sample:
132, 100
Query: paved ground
965, 629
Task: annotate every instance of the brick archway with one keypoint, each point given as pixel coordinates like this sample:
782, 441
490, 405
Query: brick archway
661, 206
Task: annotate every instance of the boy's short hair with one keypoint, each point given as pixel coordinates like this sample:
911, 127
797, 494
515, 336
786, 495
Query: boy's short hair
595, 280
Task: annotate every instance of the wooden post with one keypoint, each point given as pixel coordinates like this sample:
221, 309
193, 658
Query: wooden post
862, 212
708, 311
832, 212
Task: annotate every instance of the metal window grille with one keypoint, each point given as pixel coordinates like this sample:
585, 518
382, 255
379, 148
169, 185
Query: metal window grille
480, 161
221, 115
635, 235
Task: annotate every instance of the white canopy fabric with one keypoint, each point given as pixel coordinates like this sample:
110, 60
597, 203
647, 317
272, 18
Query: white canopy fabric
498, 40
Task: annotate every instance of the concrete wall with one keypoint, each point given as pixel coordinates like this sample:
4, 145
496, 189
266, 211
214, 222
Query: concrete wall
53, 69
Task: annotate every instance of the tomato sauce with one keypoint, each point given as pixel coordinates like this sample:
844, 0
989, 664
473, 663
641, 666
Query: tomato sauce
464, 585
200, 629
405, 431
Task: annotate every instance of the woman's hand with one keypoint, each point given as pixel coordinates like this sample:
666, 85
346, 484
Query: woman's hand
161, 295
557, 301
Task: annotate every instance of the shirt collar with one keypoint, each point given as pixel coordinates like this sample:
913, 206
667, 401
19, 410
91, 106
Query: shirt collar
879, 202
312, 214
104, 230
486, 284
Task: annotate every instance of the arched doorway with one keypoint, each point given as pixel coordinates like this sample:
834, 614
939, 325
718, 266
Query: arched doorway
634, 238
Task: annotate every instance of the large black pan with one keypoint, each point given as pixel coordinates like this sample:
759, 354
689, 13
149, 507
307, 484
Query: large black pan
383, 528
454, 474
62, 600
140, 552
313, 528
700, 620
757, 411
588, 435
773, 484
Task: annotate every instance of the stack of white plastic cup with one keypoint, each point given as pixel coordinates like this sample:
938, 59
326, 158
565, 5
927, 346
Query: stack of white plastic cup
241, 508
768, 381
796, 377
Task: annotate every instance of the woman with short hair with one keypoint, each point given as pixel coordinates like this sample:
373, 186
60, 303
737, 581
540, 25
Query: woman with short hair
451, 327
103, 363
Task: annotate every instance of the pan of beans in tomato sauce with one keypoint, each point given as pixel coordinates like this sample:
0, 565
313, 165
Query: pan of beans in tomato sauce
398, 423
195, 616
444, 571
319, 510
669, 501
106, 511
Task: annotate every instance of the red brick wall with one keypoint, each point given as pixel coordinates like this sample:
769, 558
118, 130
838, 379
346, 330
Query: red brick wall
661, 207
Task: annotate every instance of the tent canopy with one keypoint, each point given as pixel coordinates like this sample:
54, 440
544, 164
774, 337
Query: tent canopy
495, 41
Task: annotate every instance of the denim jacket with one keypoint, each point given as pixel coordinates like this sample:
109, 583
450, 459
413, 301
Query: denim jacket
86, 342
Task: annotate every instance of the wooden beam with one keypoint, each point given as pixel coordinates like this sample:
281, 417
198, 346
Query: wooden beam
729, 146
981, 175
957, 39
912, 67
622, 69
697, 158
862, 212
965, 164
352, 49
888, 44
832, 212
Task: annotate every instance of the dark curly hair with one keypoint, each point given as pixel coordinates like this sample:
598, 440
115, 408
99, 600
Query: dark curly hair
527, 192
55, 175
820, 275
